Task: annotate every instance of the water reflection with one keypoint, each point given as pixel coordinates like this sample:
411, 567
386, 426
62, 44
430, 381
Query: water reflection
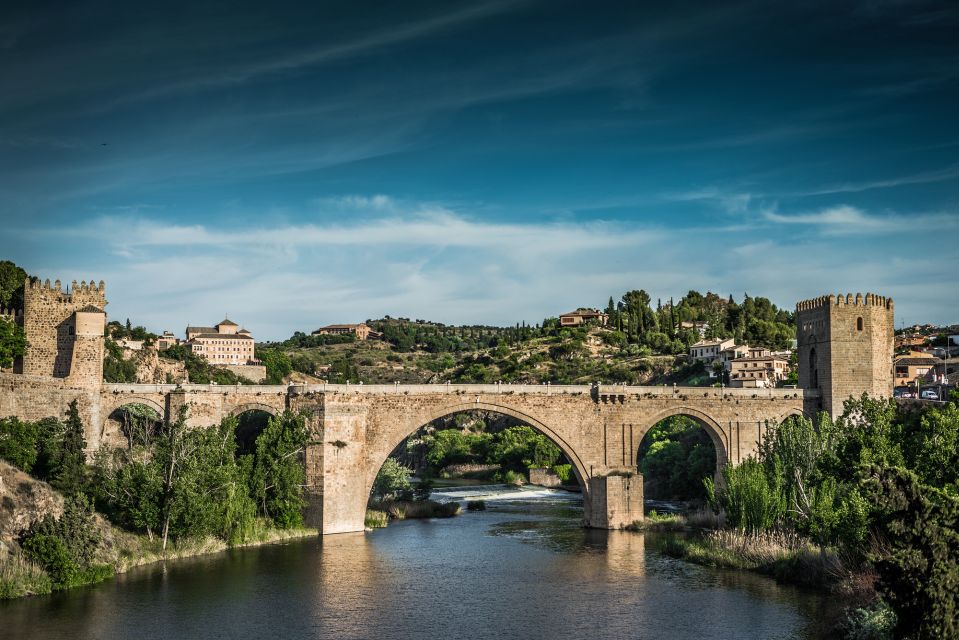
523, 567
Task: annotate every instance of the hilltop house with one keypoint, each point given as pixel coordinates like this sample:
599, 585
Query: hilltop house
709, 350
224, 344
362, 331
582, 316
912, 366
758, 369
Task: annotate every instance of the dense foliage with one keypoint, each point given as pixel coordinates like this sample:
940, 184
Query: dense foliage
66, 547
169, 482
513, 448
12, 279
13, 342
674, 458
880, 484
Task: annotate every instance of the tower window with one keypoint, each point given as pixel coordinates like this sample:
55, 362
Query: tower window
859, 324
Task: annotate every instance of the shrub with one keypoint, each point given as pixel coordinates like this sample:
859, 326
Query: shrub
563, 471
18, 443
752, 502
376, 519
870, 623
20, 576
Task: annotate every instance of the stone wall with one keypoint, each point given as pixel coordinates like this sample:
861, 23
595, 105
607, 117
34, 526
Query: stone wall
49, 323
252, 372
544, 477
845, 347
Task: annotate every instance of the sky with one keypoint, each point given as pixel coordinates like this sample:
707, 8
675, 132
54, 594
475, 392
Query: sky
299, 164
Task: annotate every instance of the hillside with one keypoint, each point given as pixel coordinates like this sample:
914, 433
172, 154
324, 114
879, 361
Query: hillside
639, 344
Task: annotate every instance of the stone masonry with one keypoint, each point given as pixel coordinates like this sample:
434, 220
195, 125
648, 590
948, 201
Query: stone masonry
845, 349
64, 331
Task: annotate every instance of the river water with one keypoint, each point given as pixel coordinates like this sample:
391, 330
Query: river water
521, 569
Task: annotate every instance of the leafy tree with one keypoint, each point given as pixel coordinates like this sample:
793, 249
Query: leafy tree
129, 485
66, 547
674, 457
918, 559
752, 501
392, 481
70, 473
277, 364
18, 442
278, 475
204, 490
13, 342
12, 279
521, 447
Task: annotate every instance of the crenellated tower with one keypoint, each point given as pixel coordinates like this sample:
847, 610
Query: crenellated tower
845, 346
64, 331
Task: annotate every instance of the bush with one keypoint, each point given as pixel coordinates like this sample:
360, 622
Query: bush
20, 576
752, 502
392, 481
18, 443
563, 471
376, 519
870, 623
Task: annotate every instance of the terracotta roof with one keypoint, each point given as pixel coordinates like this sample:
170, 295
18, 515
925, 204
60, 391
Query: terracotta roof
583, 311
201, 330
224, 336
341, 326
227, 321
918, 361
90, 309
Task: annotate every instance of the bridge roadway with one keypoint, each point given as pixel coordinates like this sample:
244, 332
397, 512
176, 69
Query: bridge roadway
353, 428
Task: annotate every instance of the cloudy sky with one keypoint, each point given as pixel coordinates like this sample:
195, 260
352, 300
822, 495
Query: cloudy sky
300, 164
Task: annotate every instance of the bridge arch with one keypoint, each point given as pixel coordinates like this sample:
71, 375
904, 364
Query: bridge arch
381, 452
251, 419
252, 406
111, 428
718, 435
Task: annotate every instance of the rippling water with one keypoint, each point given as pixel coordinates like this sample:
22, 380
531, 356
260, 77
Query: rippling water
523, 568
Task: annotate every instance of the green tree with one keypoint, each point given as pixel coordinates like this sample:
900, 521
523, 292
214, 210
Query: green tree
521, 447
13, 342
278, 474
66, 547
752, 501
392, 481
918, 557
18, 442
12, 279
70, 473
277, 364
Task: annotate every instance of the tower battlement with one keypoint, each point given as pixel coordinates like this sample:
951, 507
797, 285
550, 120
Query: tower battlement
848, 300
64, 330
845, 347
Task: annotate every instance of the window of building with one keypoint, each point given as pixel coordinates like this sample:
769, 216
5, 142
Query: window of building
858, 324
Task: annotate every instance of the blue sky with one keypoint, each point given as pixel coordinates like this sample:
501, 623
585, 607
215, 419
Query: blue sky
491, 162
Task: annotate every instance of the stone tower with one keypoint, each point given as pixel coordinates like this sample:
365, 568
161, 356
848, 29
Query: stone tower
845, 345
64, 331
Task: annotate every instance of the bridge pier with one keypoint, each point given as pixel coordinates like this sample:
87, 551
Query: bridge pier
615, 501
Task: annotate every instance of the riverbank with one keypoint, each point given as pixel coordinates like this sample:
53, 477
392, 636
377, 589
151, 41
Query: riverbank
122, 551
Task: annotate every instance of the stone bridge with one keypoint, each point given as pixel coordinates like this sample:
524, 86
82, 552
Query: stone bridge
355, 427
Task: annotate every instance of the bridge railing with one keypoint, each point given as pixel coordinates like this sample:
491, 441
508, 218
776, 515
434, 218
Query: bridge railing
495, 388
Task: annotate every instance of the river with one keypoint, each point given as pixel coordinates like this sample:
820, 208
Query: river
523, 568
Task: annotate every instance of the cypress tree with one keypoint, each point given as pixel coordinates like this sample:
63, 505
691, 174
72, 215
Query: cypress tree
69, 475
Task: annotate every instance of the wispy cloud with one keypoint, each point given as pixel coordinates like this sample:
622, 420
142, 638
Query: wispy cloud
950, 172
844, 219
